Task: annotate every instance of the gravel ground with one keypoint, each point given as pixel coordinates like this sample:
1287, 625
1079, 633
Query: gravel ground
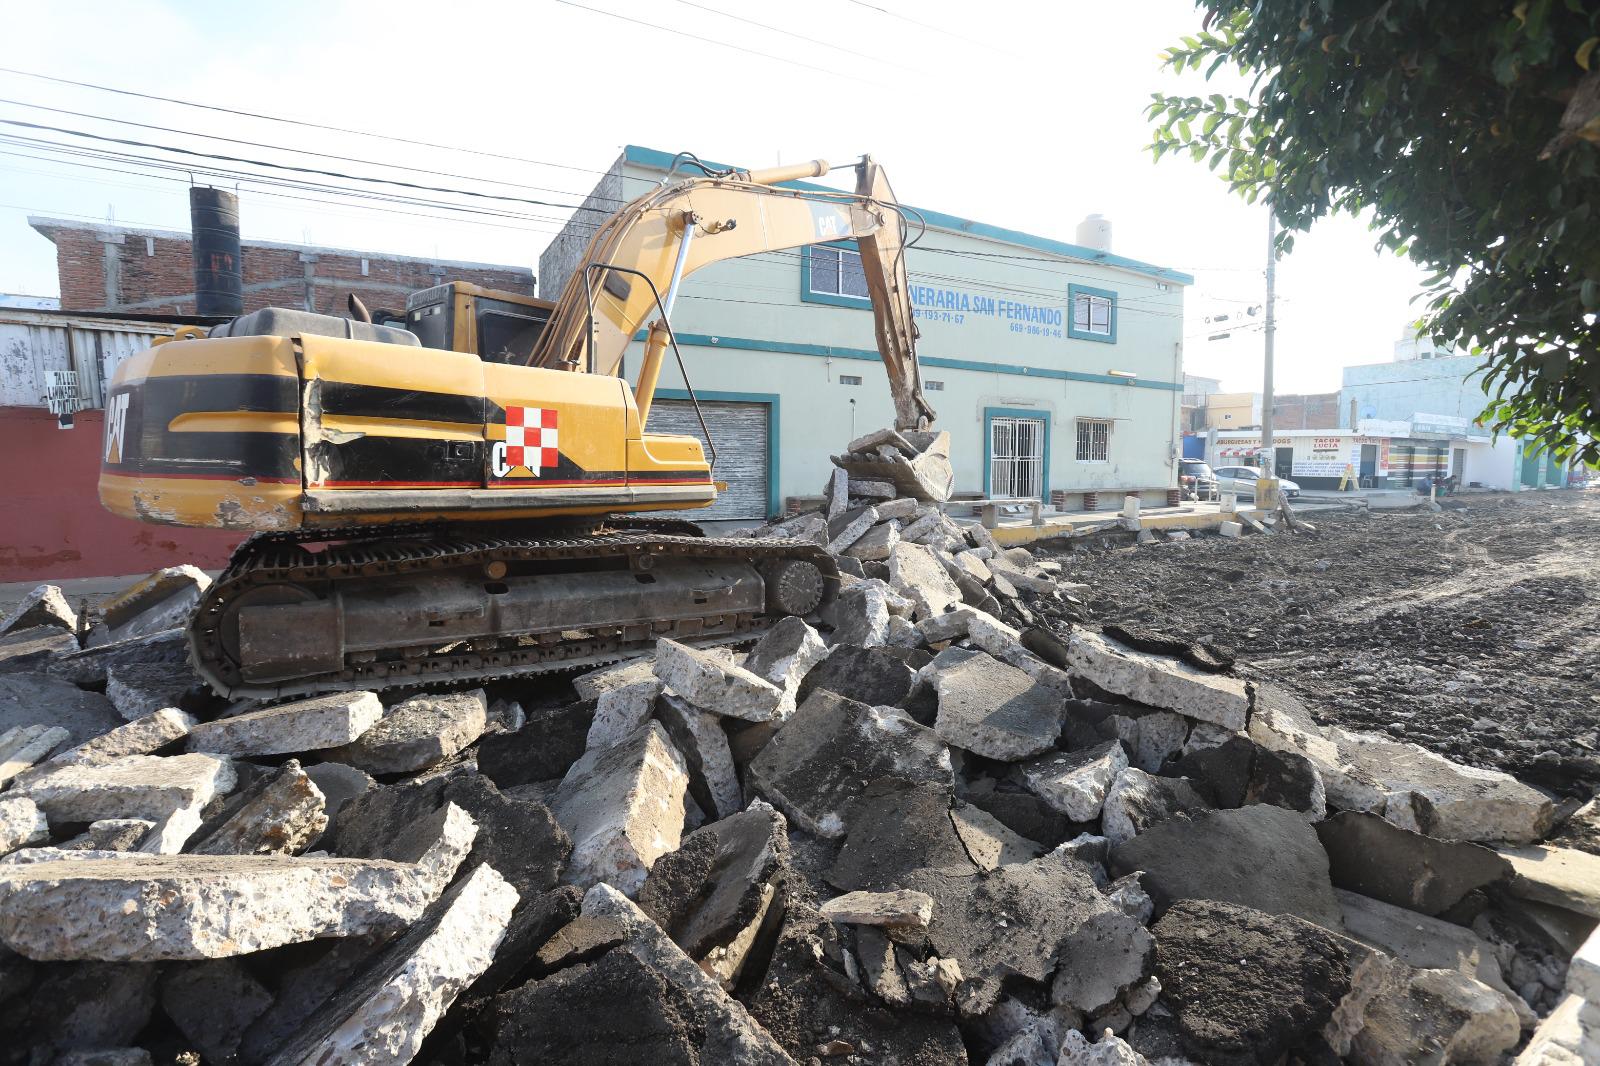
1474, 631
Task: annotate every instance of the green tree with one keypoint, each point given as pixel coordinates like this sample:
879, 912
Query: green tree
1468, 128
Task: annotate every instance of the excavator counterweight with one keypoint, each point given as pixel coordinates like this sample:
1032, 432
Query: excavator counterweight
481, 506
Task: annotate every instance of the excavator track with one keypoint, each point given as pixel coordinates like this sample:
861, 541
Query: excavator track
309, 571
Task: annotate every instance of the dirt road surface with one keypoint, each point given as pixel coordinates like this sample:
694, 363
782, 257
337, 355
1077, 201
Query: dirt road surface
1474, 632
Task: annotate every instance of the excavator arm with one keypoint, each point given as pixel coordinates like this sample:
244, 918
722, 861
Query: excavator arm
638, 258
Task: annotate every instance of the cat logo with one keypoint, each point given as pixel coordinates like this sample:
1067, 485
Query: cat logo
116, 425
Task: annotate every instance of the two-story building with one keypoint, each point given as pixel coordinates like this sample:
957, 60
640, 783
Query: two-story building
1057, 367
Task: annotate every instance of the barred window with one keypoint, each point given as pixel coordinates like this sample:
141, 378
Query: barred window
849, 379
1094, 440
933, 386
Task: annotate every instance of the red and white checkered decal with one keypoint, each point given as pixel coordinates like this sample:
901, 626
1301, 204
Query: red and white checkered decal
531, 437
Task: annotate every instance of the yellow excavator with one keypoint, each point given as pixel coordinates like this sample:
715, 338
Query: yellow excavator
479, 507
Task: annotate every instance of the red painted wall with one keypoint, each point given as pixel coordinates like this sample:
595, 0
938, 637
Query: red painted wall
51, 521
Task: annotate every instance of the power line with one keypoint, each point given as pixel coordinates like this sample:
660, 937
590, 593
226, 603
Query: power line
936, 29
798, 36
299, 170
295, 122
284, 148
711, 40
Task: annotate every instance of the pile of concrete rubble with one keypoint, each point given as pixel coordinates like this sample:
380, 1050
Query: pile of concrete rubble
920, 828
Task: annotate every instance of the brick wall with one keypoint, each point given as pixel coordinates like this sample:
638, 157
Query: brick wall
104, 268
1318, 410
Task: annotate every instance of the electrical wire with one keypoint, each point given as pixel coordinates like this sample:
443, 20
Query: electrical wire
712, 40
798, 36
295, 122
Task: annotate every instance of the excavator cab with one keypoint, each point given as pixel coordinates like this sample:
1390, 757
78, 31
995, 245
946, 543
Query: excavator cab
493, 324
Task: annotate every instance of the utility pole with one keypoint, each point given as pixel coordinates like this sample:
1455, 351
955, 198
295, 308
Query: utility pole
1269, 454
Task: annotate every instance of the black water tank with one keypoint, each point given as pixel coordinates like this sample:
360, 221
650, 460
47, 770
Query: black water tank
218, 281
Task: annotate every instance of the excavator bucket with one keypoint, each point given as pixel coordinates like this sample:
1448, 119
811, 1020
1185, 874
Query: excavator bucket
915, 462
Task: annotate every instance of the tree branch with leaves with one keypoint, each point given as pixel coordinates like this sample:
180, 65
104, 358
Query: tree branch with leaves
1469, 130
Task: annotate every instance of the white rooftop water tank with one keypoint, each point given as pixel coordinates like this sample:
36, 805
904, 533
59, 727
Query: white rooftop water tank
1095, 232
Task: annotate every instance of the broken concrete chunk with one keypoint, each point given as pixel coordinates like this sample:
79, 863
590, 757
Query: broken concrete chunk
1159, 682
212, 1003
89, 1005
1075, 783
893, 828
1289, 780
287, 728
89, 666
1050, 913
152, 591
338, 783
1260, 856
44, 606
861, 615
384, 1014
1245, 986
620, 711
139, 737
1562, 877
544, 749
849, 527
1131, 899
280, 814
713, 894
1152, 738
24, 745
1110, 1050
990, 842
822, 757
1137, 800
21, 823
152, 907
836, 497
134, 786
903, 508
110, 834
786, 653
700, 739
715, 684
1434, 1016
38, 648
417, 733
1419, 941
902, 907
992, 709
623, 808
1369, 855
916, 573
1002, 642
140, 689
628, 672
725, 1033
876, 543
878, 677
34, 699
1410, 786
1583, 975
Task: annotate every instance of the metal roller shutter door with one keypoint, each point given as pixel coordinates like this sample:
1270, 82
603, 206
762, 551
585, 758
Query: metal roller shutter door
740, 431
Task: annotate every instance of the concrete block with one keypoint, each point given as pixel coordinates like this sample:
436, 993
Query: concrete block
140, 689
901, 908
417, 733
621, 711
1376, 858
141, 736
382, 1016
1231, 530
823, 756
160, 907
988, 841
134, 786
1004, 643
875, 544
837, 494
630, 671
1136, 801
1407, 784
714, 684
35, 699
992, 709
699, 738
24, 745
861, 615
1583, 975
164, 600
1075, 783
280, 814
916, 572
21, 823
1158, 681
1420, 941
35, 649
44, 606
624, 808
847, 528
287, 728
786, 653
111, 834
1562, 877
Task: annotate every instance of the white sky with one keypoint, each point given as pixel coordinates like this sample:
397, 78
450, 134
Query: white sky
1024, 115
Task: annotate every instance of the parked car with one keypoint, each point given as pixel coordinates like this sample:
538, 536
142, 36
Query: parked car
1197, 480
1241, 481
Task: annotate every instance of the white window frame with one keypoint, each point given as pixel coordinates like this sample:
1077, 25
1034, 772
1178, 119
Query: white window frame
1089, 302
1092, 440
839, 293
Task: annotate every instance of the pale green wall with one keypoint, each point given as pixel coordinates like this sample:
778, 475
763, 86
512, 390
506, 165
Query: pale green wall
758, 298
